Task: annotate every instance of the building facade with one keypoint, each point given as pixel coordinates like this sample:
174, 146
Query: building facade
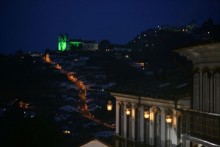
149, 121
204, 117
143, 121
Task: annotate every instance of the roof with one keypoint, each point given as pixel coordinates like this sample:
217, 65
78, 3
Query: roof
82, 41
202, 53
95, 143
176, 85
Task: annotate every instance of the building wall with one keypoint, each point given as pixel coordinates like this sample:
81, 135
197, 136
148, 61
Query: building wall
90, 46
206, 89
203, 120
150, 131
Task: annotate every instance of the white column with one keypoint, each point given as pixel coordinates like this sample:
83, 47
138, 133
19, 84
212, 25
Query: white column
125, 121
206, 97
196, 89
151, 127
141, 124
133, 121
214, 92
174, 129
211, 93
117, 118
208, 93
201, 90
217, 93
163, 128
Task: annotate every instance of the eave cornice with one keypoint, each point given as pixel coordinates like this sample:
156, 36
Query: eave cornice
206, 53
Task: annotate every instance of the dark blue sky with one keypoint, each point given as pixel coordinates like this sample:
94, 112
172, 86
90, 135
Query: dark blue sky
34, 25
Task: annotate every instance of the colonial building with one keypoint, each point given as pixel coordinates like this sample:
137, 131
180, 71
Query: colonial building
144, 121
204, 118
178, 121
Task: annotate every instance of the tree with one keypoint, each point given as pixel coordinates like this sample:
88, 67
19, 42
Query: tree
104, 44
19, 52
208, 24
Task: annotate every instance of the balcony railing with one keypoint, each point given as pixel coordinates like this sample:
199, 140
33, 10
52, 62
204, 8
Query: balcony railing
205, 126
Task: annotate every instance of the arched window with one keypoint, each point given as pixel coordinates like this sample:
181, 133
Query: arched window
196, 91
205, 92
137, 124
157, 128
147, 126
168, 126
179, 128
217, 92
121, 120
129, 123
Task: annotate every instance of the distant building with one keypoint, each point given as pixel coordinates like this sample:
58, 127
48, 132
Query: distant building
65, 44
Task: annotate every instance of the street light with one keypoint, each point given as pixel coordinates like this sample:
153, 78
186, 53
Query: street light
128, 111
146, 114
109, 106
168, 119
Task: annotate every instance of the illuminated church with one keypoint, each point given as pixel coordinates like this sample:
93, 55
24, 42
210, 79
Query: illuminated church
67, 44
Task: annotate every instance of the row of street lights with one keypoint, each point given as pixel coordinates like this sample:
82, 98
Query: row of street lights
146, 116
146, 113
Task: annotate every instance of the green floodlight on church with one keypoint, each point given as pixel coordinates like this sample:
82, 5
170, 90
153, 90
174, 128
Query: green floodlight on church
62, 46
62, 42
75, 43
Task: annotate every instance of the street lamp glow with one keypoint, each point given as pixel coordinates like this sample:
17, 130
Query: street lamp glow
109, 106
128, 111
66, 132
168, 119
146, 114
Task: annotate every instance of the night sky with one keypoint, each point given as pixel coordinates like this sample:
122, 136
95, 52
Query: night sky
34, 25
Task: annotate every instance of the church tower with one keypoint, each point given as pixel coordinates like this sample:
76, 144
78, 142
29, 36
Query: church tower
63, 42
